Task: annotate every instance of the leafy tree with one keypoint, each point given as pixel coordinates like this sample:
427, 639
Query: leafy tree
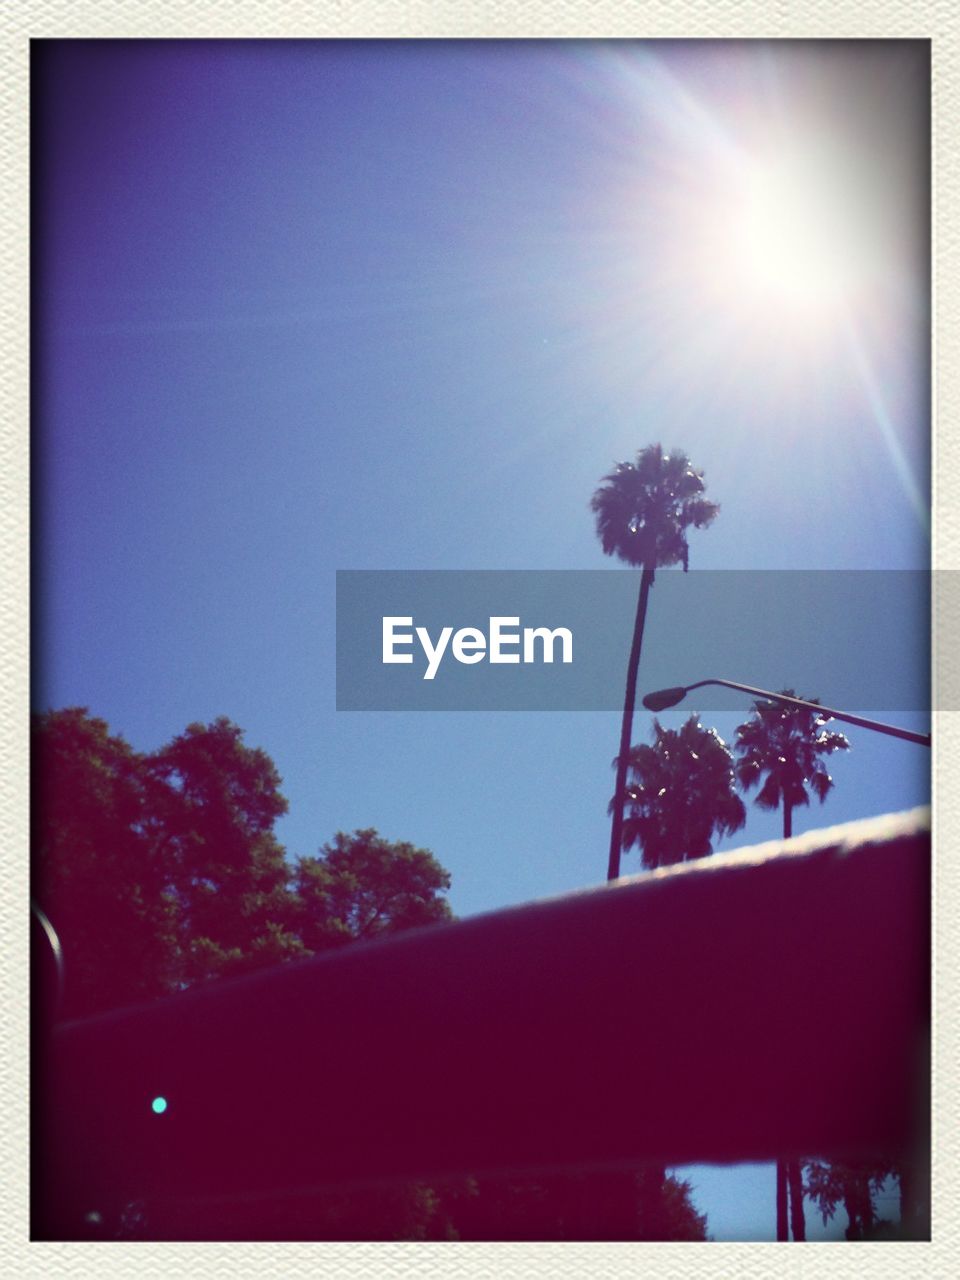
98, 874
362, 886
161, 870
681, 791
643, 511
156, 869
561, 1207
854, 1185
680, 1220
216, 803
587, 1206
783, 746
781, 749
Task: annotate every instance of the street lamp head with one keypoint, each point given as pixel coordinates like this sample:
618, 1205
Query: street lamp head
663, 698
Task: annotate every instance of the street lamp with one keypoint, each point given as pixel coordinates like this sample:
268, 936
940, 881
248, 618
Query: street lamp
663, 698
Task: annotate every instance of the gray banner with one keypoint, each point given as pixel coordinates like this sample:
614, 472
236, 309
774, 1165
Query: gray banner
481, 640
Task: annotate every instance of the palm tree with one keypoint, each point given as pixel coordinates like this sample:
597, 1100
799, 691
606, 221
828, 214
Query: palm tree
785, 746
643, 511
680, 793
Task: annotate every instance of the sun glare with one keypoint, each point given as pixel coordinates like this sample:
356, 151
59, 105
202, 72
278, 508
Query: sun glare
759, 248
785, 243
789, 238
774, 241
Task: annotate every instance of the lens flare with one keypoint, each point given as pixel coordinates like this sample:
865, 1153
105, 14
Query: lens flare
791, 239
770, 201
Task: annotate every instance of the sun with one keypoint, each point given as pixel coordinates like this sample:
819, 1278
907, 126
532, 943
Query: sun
792, 235
786, 242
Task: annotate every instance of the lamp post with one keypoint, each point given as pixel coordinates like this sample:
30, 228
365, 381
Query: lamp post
663, 698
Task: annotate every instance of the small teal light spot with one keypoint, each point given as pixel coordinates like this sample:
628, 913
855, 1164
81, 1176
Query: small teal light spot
159, 1106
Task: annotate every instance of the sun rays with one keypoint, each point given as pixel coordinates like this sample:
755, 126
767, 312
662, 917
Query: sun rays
758, 252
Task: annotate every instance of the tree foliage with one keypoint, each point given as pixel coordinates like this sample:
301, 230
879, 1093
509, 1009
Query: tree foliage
162, 869
99, 870
681, 792
644, 508
589, 1206
781, 749
362, 887
854, 1185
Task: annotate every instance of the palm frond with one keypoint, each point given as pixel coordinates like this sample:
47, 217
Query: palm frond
783, 745
644, 508
770, 793
681, 791
821, 782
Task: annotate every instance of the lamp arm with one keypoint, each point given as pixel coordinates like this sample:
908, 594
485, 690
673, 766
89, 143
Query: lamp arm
923, 739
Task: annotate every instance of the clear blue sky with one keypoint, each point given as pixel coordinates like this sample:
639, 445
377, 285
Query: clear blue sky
303, 307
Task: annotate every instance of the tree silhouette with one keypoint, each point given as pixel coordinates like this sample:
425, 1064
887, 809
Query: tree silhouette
162, 870
97, 872
680, 793
362, 886
216, 802
854, 1185
781, 749
643, 510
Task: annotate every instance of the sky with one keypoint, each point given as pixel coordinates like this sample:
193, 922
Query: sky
302, 307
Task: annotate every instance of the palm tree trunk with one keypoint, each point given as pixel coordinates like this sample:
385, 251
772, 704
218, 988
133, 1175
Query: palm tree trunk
797, 1220
865, 1201
783, 1232
626, 727
853, 1231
